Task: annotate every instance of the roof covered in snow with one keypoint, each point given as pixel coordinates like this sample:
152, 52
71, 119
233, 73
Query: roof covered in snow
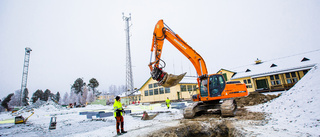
124, 94
189, 80
286, 64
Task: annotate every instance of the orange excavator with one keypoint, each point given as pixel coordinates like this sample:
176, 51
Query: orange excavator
214, 92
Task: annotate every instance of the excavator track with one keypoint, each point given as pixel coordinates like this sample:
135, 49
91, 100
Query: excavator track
228, 108
190, 111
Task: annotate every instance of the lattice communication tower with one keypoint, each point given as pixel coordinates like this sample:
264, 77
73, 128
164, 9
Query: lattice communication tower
25, 72
129, 77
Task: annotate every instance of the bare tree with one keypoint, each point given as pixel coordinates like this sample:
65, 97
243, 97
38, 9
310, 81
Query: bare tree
113, 90
91, 97
65, 99
73, 97
84, 95
122, 88
15, 99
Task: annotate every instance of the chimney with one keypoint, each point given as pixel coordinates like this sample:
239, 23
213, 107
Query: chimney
258, 61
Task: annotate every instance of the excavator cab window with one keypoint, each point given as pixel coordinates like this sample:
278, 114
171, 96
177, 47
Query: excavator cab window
204, 88
216, 85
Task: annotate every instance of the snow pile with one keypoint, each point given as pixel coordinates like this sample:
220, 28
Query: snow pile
297, 111
71, 123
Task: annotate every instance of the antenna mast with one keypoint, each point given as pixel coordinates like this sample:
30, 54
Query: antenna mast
129, 77
25, 73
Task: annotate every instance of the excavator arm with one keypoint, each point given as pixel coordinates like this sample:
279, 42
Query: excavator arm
162, 32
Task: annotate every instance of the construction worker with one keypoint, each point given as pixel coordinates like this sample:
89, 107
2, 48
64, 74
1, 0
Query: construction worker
117, 107
168, 102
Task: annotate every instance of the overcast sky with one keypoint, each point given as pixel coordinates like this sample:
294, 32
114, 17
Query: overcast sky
86, 39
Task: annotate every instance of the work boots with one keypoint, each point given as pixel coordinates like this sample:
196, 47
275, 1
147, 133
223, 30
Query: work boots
122, 131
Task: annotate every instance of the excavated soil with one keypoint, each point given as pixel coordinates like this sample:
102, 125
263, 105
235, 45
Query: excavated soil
213, 125
254, 98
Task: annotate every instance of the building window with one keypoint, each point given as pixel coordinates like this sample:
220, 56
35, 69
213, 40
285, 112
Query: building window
194, 87
140, 97
225, 76
248, 83
291, 77
183, 88
167, 90
150, 86
150, 92
161, 90
155, 85
189, 87
146, 93
275, 80
156, 91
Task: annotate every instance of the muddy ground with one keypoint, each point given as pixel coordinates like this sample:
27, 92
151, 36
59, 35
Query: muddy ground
213, 125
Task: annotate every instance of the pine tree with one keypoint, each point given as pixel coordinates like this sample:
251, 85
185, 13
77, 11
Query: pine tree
25, 98
46, 95
57, 97
77, 86
93, 84
5, 102
37, 95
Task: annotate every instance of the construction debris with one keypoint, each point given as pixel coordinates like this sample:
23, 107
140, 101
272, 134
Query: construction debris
53, 123
147, 117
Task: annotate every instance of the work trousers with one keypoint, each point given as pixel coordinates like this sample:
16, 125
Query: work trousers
119, 120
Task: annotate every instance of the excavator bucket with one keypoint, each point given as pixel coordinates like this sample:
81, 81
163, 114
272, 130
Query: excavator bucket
171, 80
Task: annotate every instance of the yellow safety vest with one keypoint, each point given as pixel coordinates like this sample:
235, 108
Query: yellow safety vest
117, 105
168, 102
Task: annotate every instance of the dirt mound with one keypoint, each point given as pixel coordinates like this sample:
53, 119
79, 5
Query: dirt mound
254, 98
199, 129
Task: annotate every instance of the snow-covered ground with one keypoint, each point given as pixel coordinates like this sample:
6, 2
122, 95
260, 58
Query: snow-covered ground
71, 123
296, 112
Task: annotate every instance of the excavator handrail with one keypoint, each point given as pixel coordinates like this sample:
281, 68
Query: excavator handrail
161, 32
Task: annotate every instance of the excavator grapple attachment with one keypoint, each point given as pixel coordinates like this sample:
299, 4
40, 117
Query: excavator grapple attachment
171, 80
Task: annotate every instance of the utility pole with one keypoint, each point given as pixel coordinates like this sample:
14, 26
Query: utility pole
25, 72
129, 77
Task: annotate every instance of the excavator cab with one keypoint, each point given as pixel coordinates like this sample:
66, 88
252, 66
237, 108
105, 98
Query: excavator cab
212, 86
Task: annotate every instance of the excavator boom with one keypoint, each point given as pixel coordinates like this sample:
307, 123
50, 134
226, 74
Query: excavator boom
161, 32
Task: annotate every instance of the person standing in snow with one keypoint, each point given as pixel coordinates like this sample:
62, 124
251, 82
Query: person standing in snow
117, 107
168, 102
